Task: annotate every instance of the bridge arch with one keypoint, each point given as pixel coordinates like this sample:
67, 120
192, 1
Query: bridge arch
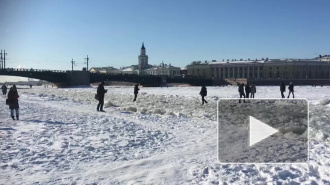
58, 77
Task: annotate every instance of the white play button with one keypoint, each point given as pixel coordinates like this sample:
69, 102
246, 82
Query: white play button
259, 131
251, 132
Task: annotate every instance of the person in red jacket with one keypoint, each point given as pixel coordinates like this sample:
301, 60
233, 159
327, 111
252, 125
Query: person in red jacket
13, 102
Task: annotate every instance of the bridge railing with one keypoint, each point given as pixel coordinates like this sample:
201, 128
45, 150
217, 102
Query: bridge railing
152, 80
34, 70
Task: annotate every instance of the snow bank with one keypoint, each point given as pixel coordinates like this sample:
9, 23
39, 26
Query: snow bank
166, 137
63, 140
185, 101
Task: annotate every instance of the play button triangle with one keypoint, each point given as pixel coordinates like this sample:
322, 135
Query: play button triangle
259, 131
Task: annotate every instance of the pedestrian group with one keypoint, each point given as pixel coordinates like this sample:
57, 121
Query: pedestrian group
245, 91
283, 88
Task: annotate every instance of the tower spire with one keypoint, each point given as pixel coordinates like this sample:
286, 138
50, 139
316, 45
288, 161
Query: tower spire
143, 46
143, 60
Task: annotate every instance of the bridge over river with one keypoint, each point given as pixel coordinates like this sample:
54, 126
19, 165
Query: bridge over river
74, 78
59, 77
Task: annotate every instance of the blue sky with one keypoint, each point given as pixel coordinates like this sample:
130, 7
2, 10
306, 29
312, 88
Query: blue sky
47, 34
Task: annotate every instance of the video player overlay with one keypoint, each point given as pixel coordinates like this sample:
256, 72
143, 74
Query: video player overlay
263, 131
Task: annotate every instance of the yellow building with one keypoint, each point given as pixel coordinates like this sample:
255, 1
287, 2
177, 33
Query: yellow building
198, 69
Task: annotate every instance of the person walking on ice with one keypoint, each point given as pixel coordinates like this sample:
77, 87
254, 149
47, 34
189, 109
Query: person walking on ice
282, 89
203, 93
253, 90
4, 89
291, 90
100, 95
12, 101
136, 91
247, 90
241, 91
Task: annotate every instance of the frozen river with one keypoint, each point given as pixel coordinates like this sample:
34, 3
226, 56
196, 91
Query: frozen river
165, 137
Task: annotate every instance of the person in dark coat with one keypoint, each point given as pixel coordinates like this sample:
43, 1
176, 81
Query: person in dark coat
241, 91
282, 89
203, 93
136, 91
291, 90
253, 90
4, 89
13, 102
100, 94
247, 90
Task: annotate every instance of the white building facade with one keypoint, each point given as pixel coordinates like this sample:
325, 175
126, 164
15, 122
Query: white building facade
272, 69
163, 70
143, 67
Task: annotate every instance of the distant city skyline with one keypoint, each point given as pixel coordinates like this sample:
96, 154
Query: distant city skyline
49, 34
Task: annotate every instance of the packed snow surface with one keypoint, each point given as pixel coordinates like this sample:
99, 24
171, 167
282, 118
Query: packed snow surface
165, 137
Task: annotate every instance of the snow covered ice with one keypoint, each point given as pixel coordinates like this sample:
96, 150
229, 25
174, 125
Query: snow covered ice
166, 137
